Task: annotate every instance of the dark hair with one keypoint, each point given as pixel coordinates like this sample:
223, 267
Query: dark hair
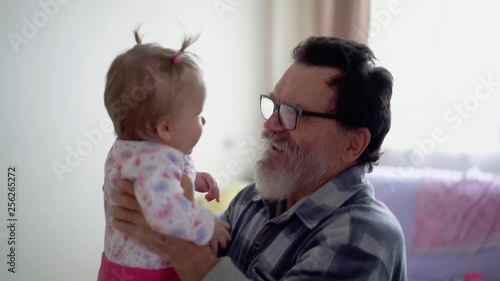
363, 90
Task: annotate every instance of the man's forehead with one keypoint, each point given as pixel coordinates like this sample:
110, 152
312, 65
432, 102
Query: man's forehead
305, 86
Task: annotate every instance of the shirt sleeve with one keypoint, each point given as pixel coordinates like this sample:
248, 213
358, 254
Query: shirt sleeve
340, 262
161, 197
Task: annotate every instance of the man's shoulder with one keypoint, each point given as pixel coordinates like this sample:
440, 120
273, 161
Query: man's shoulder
366, 224
365, 216
375, 218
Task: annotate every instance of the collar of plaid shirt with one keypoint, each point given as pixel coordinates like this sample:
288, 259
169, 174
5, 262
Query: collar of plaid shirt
330, 197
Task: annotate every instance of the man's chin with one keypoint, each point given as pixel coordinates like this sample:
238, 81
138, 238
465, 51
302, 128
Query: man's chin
272, 185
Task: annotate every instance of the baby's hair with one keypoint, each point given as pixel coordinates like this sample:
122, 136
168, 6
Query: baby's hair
146, 83
138, 38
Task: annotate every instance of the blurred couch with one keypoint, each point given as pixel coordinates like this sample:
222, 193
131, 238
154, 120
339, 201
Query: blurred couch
397, 188
396, 181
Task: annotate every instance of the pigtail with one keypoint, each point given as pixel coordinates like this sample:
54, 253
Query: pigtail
188, 41
138, 38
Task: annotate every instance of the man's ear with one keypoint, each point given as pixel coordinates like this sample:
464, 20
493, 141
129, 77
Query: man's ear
358, 140
164, 128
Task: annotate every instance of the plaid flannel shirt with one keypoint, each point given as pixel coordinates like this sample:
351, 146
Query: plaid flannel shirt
339, 232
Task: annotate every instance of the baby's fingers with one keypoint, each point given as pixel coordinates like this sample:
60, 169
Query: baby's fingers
209, 197
217, 195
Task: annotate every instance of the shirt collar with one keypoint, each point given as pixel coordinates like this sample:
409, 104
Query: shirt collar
313, 208
140, 147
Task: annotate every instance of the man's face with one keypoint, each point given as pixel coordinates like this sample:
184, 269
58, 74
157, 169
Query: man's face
296, 159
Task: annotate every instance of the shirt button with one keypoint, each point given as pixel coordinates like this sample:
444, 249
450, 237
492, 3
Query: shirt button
256, 246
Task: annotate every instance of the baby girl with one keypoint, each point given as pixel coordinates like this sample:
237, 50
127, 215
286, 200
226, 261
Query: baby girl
155, 97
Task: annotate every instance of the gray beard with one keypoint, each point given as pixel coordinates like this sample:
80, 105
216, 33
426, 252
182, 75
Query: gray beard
303, 168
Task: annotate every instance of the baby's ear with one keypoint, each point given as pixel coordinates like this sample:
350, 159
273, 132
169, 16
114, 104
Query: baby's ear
163, 128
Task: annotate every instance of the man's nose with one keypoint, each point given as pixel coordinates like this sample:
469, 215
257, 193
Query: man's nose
273, 123
203, 121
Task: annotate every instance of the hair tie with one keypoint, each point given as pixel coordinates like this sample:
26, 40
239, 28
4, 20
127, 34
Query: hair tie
176, 59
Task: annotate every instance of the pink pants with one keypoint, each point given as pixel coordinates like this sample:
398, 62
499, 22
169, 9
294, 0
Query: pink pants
110, 271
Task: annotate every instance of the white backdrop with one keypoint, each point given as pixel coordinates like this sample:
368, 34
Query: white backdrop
444, 56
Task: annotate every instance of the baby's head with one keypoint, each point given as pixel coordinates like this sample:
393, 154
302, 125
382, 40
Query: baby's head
156, 94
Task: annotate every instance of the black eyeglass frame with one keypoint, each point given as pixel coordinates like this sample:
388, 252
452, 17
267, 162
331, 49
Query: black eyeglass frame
298, 112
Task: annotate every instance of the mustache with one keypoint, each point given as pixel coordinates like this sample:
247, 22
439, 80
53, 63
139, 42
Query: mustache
285, 144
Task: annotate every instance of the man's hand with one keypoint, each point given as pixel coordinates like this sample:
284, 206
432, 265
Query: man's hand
190, 261
204, 182
221, 235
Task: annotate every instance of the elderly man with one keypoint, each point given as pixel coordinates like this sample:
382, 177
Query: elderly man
311, 214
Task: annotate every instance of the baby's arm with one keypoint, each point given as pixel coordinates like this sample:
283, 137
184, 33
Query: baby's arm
205, 183
161, 197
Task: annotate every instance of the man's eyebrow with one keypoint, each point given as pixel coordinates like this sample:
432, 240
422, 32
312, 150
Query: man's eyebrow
298, 106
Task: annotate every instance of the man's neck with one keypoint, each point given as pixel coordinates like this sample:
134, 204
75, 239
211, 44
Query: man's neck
295, 197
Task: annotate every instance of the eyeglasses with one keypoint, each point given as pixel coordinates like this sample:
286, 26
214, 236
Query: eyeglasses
288, 114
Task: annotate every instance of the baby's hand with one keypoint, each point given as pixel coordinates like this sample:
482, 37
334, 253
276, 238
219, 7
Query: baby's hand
205, 183
221, 235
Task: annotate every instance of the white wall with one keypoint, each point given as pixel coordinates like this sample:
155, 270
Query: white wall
292, 22
441, 53
52, 95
